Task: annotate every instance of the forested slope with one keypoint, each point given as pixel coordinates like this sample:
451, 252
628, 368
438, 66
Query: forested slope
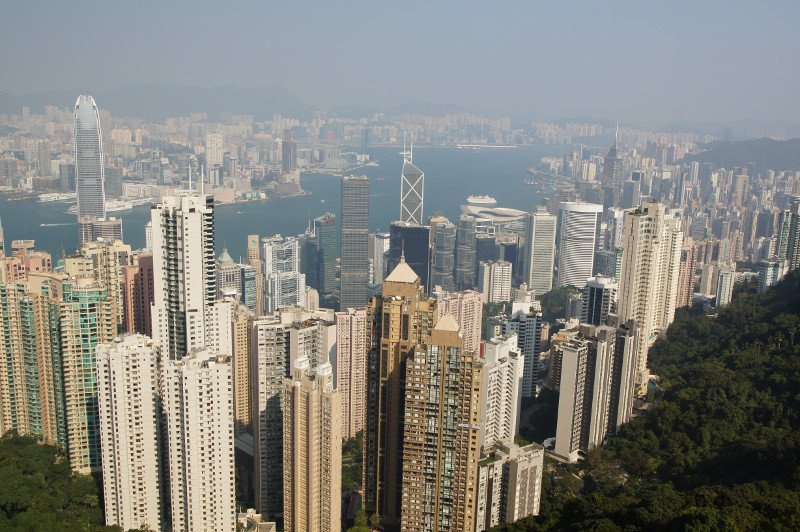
719, 450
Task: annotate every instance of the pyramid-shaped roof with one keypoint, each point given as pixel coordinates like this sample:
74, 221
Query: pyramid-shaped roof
402, 274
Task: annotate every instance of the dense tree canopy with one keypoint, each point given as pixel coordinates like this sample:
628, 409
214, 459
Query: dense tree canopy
719, 450
38, 491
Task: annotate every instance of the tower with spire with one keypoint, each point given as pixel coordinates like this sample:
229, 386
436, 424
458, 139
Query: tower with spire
412, 188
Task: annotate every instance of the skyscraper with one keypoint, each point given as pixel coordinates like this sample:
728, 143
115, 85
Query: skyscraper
355, 231
285, 285
596, 389
401, 319
288, 152
184, 269
501, 391
32, 395
509, 484
352, 335
412, 190
599, 300
464, 275
441, 447
526, 324
325, 232
494, 281
89, 167
277, 341
312, 450
378, 246
725, 282
87, 319
413, 241
104, 261
215, 149
443, 259
578, 234
198, 402
91, 228
127, 382
788, 245
466, 307
649, 278
539, 252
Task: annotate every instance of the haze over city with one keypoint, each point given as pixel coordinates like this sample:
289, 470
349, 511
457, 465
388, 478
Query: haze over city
641, 62
407, 267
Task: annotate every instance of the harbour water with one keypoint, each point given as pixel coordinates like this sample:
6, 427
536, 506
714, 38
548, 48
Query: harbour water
451, 175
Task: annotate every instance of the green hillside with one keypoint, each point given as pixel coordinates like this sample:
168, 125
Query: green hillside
720, 450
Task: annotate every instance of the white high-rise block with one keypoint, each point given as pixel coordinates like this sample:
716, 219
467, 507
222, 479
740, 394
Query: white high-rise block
198, 402
127, 383
501, 387
184, 270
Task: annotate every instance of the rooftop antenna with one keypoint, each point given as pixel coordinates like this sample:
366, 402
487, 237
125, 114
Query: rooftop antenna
616, 134
411, 151
406, 154
403, 250
190, 177
202, 179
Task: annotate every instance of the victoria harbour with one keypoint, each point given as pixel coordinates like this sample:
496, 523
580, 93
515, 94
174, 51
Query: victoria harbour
451, 175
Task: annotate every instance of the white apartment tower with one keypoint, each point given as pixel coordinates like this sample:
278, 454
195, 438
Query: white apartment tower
184, 270
649, 278
494, 281
215, 149
198, 402
539, 251
526, 324
284, 285
578, 239
501, 387
127, 382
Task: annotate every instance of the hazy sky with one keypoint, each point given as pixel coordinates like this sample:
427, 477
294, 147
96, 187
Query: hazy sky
634, 60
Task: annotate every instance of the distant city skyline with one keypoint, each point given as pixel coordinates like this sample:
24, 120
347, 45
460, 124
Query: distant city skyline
690, 71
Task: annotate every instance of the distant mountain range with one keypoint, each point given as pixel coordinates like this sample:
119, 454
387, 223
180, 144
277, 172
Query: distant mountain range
156, 102
756, 154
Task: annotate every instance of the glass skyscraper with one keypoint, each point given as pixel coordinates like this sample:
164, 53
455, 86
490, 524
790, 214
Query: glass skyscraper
89, 159
355, 241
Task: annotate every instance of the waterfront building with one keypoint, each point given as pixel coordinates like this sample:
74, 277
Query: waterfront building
89, 167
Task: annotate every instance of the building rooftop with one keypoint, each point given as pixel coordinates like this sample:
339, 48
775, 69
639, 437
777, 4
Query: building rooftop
402, 274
